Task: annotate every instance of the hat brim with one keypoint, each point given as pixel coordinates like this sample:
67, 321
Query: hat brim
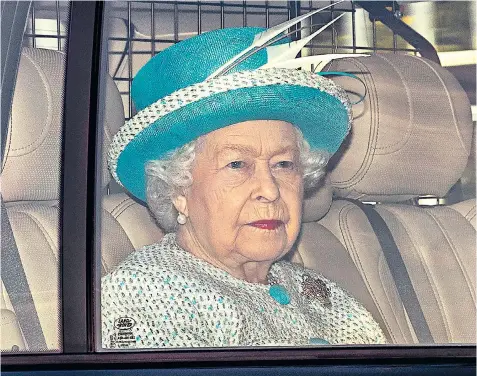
321, 117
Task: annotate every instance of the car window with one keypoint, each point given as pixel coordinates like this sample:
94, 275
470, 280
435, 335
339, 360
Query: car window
393, 210
31, 188
380, 248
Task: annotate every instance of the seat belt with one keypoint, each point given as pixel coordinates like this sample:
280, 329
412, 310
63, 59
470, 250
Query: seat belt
16, 284
398, 271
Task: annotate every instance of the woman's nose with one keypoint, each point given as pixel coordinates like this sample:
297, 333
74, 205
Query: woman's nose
266, 189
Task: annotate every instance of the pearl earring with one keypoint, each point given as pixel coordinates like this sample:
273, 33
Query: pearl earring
181, 219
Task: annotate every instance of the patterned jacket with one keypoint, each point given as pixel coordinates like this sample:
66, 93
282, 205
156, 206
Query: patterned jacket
163, 296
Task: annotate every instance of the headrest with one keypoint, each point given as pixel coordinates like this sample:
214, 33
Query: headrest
113, 120
32, 160
318, 201
31, 169
412, 134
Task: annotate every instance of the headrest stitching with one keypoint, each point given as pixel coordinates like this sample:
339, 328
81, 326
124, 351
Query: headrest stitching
49, 120
344, 184
406, 138
450, 105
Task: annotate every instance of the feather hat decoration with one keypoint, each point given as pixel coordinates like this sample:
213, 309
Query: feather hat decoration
223, 77
284, 55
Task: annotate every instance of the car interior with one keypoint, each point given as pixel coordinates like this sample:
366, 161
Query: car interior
410, 158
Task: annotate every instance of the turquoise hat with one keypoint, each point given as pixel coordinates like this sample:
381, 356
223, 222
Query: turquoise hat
178, 101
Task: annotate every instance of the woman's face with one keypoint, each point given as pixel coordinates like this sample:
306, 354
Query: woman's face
245, 201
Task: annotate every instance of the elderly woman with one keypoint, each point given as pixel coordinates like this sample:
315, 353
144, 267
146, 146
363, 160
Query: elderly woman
223, 162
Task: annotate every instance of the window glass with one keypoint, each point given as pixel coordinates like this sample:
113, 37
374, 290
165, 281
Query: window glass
241, 212
31, 171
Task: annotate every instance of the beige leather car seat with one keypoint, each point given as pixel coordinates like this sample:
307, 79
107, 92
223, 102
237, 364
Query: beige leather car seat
319, 249
31, 186
411, 137
127, 225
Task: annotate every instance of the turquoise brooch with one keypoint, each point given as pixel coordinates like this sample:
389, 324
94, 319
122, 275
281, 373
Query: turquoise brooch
279, 294
277, 291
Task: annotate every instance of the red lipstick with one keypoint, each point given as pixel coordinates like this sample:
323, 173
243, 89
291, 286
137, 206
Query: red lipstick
267, 224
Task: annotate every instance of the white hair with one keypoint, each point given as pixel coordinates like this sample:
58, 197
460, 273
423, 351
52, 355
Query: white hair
169, 177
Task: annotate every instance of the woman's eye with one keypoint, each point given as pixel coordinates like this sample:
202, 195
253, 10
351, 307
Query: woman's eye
285, 164
235, 165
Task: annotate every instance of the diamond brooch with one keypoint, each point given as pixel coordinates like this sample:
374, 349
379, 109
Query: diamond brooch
315, 288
